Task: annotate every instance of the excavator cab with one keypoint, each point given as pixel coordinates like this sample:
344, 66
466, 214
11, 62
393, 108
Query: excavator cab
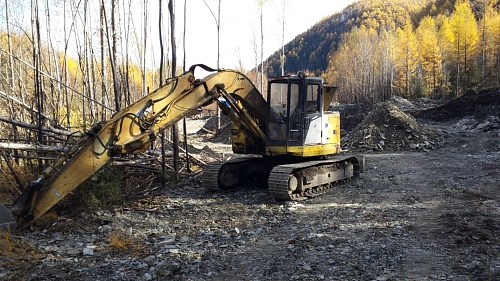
298, 121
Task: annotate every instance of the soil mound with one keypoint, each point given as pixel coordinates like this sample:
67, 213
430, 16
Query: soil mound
388, 128
224, 135
403, 104
350, 115
481, 105
488, 124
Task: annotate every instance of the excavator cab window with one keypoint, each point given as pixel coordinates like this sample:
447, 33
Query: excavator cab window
313, 101
285, 111
278, 102
278, 111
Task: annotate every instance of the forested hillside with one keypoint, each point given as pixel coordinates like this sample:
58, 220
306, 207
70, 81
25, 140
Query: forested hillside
373, 50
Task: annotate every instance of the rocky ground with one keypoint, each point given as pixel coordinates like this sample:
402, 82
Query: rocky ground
427, 209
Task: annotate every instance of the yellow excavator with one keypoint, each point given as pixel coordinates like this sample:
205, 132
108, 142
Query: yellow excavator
291, 140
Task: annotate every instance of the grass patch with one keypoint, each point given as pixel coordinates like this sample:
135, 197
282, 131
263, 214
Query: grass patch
121, 241
9, 190
47, 220
15, 248
104, 188
16, 256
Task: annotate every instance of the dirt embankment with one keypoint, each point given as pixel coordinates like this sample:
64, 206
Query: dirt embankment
479, 105
399, 125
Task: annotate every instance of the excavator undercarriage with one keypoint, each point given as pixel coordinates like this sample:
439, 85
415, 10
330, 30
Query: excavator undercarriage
287, 178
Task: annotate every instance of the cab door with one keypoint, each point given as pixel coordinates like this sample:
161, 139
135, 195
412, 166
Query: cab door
286, 113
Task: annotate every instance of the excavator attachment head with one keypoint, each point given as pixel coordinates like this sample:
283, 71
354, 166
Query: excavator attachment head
7, 221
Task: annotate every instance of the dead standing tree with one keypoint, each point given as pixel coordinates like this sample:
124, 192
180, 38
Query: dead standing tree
184, 125
35, 33
175, 128
12, 81
217, 23
162, 134
112, 46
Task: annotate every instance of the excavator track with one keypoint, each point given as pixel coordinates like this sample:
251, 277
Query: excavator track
285, 181
222, 176
299, 181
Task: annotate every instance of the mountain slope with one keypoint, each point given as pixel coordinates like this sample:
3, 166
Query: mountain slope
309, 51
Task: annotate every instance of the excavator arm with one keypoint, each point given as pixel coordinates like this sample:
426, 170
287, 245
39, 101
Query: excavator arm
134, 128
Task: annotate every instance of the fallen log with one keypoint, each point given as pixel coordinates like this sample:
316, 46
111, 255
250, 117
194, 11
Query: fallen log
33, 147
196, 160
130, 162
22, 104
44, 128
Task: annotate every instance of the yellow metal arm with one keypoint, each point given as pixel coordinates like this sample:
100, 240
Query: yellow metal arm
132, 130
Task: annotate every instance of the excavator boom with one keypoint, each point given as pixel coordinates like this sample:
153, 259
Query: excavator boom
132, 130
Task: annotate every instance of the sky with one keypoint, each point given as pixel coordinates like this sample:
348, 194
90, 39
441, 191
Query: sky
240, 28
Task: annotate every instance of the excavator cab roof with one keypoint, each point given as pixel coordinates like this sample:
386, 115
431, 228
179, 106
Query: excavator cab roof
300, 76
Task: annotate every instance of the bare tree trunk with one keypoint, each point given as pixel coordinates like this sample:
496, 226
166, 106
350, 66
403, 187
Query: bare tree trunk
126, 67
183, 37
256, 56
217, 23
65, 70
84, 67
497, 57
88, 69
144, 92
162, 135
175, 129
457, 88
103, 60
282, 57
261, 49
217, 131
35, 24
160, 28
53, 64
9, 42
184, 125
12, 81
218, 35
93, 86
112, 54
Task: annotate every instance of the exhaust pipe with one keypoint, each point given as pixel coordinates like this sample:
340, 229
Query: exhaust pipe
7, 221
